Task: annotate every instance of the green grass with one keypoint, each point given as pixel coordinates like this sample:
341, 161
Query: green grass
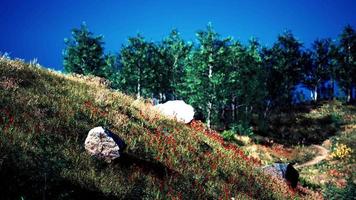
45, 117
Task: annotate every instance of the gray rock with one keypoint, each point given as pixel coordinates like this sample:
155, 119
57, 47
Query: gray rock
283, 171
103, 144
276, 169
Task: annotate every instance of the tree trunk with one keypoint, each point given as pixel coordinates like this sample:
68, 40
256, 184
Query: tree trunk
138, 95
315, 94
210, 71
209, 103
246, 111
332, 89
233, 111
160, 97
174, 81
349, 91
208, 120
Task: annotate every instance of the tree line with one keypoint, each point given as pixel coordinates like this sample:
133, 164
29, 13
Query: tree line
227, 82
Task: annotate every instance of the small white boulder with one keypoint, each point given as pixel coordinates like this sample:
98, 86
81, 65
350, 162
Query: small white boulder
103, 144
178, 110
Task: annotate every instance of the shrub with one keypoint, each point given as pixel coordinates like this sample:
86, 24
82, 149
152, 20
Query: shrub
306, 183
341, 151
237, 129
228, 135
336, 119
243, 129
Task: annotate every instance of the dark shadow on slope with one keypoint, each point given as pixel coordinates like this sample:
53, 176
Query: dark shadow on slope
156, 168
19, 178
176, 180
293, 129
137, 192
352, 107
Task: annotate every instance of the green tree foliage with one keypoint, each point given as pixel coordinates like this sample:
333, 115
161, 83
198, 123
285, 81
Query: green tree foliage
283, 64
252, 88
174, 52
227, 82
319, 65
244, 82
111, 70
232, 81
205, 73
347, 60
84, 53
154, 69
138, 60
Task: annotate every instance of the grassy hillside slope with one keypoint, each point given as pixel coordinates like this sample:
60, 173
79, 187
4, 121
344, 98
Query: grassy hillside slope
45, 117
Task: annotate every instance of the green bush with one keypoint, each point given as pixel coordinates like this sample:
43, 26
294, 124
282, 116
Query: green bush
308, 184
336, 119
228, 135
242, 129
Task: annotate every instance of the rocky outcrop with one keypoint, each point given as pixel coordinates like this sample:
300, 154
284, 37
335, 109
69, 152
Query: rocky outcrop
178, 110
283, 171
103, 144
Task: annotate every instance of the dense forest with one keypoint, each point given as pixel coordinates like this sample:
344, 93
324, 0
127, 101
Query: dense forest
230, 84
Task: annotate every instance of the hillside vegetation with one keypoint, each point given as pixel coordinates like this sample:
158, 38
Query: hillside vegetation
45, 117
320, 139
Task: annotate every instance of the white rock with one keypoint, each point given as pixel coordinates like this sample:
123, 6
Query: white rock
177, 109
103, 144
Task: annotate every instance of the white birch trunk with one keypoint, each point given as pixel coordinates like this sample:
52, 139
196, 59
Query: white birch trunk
209, 103
315, 93
138, 95
208, 120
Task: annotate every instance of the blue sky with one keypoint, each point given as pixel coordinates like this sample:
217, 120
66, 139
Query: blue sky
36, 29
